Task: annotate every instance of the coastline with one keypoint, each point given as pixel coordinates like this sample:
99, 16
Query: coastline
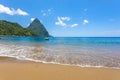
13, 69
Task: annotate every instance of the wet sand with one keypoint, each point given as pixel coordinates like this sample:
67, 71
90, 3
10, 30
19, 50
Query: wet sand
12, 69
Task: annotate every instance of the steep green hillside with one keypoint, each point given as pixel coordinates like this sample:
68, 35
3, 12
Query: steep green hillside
14, 29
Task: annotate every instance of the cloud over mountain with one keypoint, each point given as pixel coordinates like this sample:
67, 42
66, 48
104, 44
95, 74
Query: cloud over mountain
32, 19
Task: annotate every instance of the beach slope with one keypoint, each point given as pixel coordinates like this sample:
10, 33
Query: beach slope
17, 70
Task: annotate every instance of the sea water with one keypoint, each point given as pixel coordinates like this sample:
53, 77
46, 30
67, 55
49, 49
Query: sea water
77, 51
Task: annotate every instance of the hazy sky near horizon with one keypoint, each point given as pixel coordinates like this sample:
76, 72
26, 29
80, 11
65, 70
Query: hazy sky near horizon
66, 17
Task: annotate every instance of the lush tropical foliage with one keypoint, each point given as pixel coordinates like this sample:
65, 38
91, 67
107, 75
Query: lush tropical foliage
14, 29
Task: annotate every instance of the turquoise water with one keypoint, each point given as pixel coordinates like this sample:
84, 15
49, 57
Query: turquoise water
78, 51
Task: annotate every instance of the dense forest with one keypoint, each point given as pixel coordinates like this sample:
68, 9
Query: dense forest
14, 29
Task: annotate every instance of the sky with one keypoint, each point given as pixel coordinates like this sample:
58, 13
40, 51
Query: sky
66, 18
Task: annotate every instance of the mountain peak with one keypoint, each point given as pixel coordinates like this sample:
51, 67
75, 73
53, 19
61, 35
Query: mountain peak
38, 28
36, 20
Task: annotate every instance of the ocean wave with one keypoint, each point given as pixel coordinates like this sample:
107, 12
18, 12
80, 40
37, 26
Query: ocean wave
62, 55
39, 61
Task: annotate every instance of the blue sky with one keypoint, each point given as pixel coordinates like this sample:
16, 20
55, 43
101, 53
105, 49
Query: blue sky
81, 18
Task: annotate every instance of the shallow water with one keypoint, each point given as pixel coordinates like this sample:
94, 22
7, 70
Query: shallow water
79, 51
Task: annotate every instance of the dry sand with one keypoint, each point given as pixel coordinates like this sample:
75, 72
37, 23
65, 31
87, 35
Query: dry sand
18, 70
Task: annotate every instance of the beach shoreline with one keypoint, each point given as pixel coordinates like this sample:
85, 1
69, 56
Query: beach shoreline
12, 69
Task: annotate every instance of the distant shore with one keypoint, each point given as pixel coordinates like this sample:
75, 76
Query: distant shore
13, 69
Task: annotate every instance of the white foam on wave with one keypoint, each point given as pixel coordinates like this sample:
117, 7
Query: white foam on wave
21, 52
40, 61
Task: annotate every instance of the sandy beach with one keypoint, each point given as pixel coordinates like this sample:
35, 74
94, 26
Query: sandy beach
11, 69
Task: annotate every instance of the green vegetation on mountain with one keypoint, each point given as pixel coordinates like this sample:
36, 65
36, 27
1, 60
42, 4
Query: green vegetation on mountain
38, 28
14, 29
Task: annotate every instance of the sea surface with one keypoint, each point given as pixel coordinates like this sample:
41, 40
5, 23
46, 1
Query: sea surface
75, 51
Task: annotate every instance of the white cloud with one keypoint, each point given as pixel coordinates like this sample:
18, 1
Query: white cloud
47, 12
20, 12
12, 11
6, 10
60, 22
32, 19
66, 18
74, 25
85, 21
